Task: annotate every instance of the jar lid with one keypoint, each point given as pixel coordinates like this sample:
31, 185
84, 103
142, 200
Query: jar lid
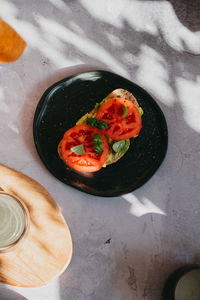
183, 284
14, 221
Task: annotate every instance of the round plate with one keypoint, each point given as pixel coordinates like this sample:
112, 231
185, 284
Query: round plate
66, 101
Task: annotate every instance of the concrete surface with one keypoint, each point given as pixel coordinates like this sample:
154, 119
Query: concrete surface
124, 247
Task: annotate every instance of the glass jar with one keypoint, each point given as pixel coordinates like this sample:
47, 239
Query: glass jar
14, 222
183, 283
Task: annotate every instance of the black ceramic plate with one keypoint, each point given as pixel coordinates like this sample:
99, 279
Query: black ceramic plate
66, 101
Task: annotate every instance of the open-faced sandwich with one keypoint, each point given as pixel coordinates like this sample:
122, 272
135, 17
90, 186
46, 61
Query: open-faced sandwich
101, 137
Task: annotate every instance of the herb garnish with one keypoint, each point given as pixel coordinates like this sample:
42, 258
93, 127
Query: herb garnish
98, 146
125, 111
96, 123
120, 146
79, 149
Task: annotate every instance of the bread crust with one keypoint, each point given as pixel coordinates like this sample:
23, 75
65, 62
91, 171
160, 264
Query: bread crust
121, 93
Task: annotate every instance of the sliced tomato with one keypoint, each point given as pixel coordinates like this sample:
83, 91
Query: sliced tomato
90, 161
123, 119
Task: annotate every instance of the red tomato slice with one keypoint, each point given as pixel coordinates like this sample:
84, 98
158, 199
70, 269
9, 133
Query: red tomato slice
120, 128
90, 161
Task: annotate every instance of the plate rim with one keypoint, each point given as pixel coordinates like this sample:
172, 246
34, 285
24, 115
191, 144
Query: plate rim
37, 116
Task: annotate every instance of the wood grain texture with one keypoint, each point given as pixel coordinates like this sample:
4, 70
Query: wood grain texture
47, 249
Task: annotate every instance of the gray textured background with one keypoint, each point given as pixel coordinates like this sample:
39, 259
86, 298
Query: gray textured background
124, 247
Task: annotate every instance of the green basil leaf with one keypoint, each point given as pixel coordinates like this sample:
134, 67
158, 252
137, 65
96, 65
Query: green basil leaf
79, 149
96, 123
120, 146
92, 122
102, 125
125, 111
141, 111
98, 146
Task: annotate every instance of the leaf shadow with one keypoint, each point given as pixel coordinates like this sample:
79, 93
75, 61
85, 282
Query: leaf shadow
174, 61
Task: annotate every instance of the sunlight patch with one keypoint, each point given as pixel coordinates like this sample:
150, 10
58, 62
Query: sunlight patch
143, 16
115, 40
189, 101
50, 291
8, 11
108, 11
174, 33
58, 3
4, 107
85, 45
142, 207
76, 28
153, 74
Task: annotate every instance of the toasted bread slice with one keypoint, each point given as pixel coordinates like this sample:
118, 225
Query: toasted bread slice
123, 94
112, 156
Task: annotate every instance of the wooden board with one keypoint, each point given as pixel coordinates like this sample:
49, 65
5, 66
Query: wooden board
47, 249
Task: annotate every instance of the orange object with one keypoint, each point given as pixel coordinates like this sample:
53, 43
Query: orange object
46, 251
11, 44
122, 124
89, 161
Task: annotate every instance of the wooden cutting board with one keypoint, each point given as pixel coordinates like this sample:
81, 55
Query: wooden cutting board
47, 249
